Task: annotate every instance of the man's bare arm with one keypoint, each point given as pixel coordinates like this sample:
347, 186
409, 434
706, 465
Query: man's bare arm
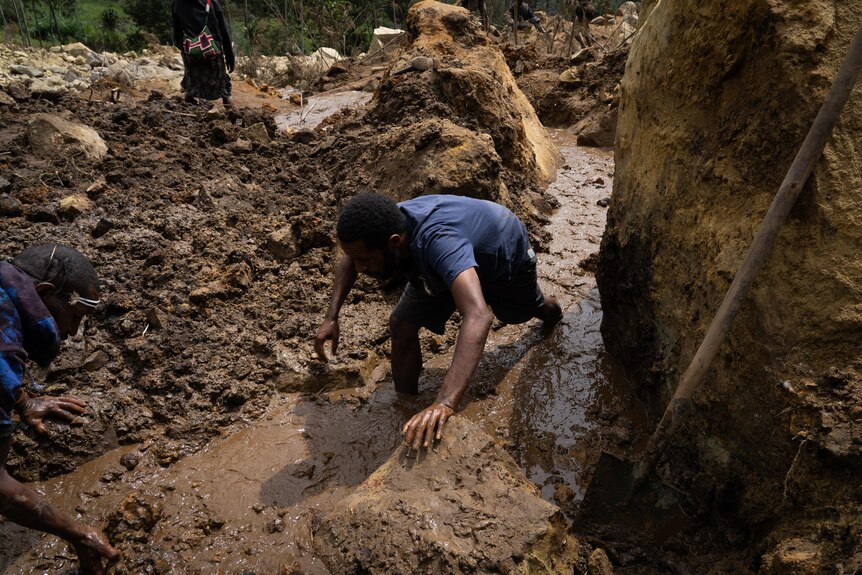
475, 325
345, 277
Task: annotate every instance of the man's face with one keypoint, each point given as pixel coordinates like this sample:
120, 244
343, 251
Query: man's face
67, 316
377, 263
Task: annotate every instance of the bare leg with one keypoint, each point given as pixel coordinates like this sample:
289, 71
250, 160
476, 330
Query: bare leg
406, 355
25, 507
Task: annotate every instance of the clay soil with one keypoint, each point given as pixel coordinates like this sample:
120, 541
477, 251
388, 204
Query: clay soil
200, 364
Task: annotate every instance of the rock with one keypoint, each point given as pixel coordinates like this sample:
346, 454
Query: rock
462, 508
73, 206
40, 213
257, 134
5, 185
134, 519
282, 244
156, 318
337, 69
384, 36
30, 71
96, 361
52, 136
627, 9
6, 99
598, 129
572, 77
77, 49
793, 557
102, 227
10, 206
599, 564
583, 55
130, 460
241, 146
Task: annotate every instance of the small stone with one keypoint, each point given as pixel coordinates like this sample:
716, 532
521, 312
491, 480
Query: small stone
5, 185
604, 202
97, 360
241, 146
95, 189
102, 227
30, 71
156, 318
10, 206
257, 134
42, 214
130, 460
73, 206
6, 99
282, 244
275, 526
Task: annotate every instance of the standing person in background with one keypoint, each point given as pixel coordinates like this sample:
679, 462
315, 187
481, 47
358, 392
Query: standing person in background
45, 292
524, 15
472, 6
201, 35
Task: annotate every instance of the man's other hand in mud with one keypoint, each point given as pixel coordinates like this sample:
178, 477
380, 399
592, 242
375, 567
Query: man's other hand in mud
427, 425
328, 331
34, 410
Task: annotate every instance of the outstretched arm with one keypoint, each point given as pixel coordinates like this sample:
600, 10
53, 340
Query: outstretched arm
475, 325
25, 507
345, 277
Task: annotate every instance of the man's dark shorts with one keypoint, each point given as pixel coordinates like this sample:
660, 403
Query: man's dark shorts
517, 302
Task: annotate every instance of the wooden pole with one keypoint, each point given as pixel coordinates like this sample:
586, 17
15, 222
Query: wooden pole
802, 166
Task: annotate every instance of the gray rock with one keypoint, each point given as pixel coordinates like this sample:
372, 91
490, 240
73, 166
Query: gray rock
52, 136
257, 134
96, 361
5, 185
30, 71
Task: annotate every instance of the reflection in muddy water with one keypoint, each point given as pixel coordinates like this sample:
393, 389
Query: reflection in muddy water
571, 395
568, 385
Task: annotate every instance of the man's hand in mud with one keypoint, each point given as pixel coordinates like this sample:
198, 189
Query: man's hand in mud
34, 410
420, 430
92, 547
328, 331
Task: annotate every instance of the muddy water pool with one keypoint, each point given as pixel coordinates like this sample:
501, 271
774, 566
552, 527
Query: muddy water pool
246, 504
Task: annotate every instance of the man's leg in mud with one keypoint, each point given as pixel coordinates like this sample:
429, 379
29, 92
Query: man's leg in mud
25, 507
550, 312
406, 355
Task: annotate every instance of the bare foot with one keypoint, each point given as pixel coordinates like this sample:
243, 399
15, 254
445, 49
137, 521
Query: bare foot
92, 548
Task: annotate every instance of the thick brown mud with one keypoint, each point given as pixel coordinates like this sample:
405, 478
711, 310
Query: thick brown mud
247, 502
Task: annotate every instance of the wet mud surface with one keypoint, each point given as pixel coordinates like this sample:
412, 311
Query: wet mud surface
174, 500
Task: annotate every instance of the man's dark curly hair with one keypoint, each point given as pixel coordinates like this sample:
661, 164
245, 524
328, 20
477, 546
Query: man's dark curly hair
372, 218
65, 267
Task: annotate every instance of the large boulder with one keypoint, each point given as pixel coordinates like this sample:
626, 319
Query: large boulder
463, 508
716, 100
456, 124
51, 136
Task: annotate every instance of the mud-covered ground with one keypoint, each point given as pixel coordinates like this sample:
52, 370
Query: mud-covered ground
212, 232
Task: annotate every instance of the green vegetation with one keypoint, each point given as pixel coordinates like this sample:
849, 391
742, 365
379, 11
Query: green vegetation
258, 26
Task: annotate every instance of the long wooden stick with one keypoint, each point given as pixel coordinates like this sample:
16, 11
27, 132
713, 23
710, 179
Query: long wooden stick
794, 181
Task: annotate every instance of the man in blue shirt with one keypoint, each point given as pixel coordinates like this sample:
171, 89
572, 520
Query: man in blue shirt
45, 292
458, 253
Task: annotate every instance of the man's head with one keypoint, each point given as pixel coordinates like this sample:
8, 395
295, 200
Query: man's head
65, 281
371, 230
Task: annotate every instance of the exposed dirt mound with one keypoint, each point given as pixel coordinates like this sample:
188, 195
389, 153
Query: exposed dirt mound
714, 107
470, 508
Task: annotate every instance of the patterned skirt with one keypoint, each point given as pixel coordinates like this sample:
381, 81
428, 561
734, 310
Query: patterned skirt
207, 80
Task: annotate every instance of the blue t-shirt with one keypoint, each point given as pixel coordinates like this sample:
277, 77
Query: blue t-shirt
451, 234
